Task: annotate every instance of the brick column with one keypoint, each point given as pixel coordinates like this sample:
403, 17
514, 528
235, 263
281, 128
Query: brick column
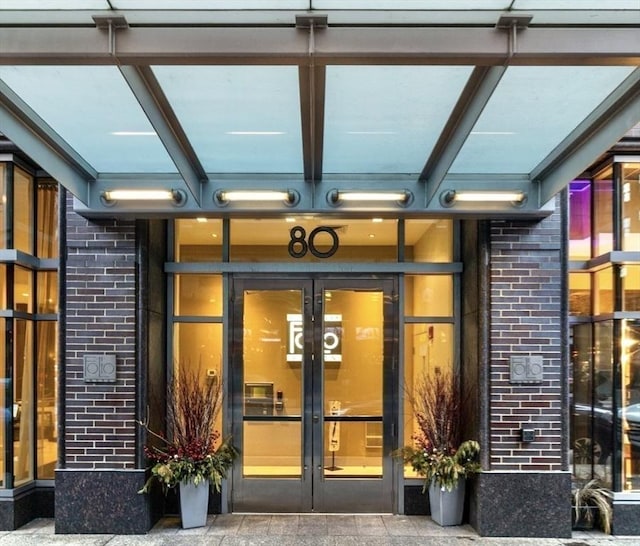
96, 490
526, 489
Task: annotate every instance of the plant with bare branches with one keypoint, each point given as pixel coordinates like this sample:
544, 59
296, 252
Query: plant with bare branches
194, 450
438, 453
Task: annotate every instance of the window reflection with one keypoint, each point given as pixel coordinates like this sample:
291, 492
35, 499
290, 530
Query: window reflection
603, 220
23, 224
23, 398
580, 220
631, 206
46, 396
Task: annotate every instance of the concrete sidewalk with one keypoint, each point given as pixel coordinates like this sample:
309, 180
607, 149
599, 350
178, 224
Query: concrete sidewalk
294, 530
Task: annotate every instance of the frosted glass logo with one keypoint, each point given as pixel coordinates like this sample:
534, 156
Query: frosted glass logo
331, 338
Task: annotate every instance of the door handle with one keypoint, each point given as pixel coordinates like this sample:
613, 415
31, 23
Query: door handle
316, 418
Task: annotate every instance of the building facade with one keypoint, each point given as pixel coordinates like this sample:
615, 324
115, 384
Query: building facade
315, 207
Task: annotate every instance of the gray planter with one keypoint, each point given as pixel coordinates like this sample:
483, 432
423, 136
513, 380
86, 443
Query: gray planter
447, 507
194, 502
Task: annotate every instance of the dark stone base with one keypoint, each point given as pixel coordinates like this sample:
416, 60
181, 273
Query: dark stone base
626, 518
522, 504
103, 502
24, 504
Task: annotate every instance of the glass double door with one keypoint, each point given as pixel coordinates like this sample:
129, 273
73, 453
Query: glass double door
313, 406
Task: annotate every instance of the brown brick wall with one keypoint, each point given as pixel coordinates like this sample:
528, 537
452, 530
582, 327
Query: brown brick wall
525, 301
99, 317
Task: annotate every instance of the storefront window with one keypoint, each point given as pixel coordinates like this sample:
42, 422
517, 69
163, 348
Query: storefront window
314, 239
3, 205
47, 292
47, 239
23, 399
580, 220
23, 289
428, 241
603, 399
29, 293
603, 220
630, 287
428, 295
580, 294
23, 225
631, 206
603, 291
428, 349
198, 347
198, 295
630, 413
198, 240
46, 399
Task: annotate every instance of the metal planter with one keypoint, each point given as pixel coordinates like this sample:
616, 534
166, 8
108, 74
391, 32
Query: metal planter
447, 507
194, 504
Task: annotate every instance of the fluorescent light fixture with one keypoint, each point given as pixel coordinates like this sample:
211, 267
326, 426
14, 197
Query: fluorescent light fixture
449, 197
223, 197
336, 197
111, 196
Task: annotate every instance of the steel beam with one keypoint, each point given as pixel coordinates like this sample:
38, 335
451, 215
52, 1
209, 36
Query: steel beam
333, 45
153, 101
312, 95
31, 134
466, 112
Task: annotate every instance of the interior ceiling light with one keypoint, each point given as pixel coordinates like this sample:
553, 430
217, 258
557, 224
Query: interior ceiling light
449, 197
111, 196
403, 197
223, 197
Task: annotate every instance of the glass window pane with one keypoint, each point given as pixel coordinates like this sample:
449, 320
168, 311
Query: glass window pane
238, 118
3, 205
47, 292
394, 128
3, 286
580, 294
603, 398
428, 241
630, 287
272, 358
47, 245
260, 240
353, 337
631, 206
23, 290
199, 345
47, 452
94, 110
526, 118
198, 240
428, 348
272, 449
428, 295
630, 370
23, 402
603, 291
352, 449
603, 214
22, 211
198, 295
580, 220
6, 415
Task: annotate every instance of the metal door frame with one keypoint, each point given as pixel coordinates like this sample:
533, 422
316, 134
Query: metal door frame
313, 492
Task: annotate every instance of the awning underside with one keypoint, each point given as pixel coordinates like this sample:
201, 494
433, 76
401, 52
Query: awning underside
313, 109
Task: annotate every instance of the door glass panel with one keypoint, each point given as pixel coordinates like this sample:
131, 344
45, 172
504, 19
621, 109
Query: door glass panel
272, 449
272, 390
352, 449
352, 357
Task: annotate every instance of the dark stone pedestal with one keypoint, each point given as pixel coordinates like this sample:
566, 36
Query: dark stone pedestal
102, 501
19, 506
626, 517
522, 504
